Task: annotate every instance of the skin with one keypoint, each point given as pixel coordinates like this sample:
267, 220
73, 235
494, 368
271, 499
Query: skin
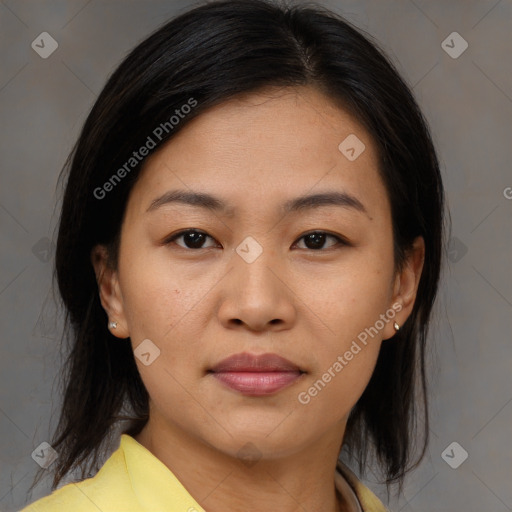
199, 306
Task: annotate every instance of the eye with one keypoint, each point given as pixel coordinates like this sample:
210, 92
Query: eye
316, 239
192, 238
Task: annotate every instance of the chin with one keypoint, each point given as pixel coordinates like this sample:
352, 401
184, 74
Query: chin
251, 444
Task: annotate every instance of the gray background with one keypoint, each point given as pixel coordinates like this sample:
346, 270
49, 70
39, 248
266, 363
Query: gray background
468, 103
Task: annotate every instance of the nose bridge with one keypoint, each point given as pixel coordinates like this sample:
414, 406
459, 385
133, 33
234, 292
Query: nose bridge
258, 297
254, 259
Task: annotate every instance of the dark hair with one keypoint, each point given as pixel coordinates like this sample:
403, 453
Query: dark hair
208, 55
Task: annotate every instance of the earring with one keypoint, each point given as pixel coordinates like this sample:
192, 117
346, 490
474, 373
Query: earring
112, 325
396, 326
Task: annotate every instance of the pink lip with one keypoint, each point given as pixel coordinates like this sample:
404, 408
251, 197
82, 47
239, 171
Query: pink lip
256, 375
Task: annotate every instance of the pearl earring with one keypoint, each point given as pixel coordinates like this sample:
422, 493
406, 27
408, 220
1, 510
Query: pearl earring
112, 325
396, 326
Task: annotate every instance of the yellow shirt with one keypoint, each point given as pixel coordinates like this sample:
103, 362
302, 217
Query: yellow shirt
134, 480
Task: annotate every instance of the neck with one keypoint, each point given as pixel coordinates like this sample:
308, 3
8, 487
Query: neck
300, 481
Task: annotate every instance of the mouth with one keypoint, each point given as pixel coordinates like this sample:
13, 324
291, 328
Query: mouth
256, 375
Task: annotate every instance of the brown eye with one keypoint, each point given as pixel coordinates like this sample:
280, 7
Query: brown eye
192, 239
316, 240
195, 239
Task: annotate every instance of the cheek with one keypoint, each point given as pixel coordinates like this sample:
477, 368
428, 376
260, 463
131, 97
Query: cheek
352, 296
350, 304
168, 309
156, 297
331, 394
347, 352
169, 317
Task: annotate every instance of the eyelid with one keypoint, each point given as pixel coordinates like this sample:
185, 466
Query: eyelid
182, 232
339, 238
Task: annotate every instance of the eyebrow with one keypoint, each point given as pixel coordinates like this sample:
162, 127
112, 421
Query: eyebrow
301, 203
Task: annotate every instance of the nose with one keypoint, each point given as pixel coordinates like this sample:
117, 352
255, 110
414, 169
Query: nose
257, 295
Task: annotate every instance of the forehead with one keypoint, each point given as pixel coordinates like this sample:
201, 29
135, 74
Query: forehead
265, 146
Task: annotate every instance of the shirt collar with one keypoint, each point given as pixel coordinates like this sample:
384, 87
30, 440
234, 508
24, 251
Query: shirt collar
153, 483
157, 488
367, 499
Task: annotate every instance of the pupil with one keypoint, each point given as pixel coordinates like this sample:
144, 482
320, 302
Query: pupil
194, 239
317, 239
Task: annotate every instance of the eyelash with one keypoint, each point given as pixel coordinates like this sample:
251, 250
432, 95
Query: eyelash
340, 241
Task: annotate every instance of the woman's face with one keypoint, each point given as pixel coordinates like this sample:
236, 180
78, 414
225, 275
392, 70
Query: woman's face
250, 281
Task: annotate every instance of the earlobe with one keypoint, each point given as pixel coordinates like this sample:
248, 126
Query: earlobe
109, 292
406, 284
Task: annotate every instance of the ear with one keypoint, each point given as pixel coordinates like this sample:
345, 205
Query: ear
405, 286
109, 291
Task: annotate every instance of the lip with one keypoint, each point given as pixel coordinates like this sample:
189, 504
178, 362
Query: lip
256, 375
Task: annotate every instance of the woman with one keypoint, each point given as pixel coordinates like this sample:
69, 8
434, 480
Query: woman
249, 251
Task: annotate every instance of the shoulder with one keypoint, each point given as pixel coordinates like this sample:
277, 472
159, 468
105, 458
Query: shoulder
109, 489
369, 502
